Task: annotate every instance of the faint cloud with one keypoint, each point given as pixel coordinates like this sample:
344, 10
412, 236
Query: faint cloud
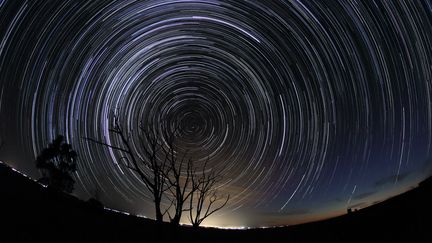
392, 179
289, 212
427, 167
364, 195
338, 199
298, 211
376, 202
360, 205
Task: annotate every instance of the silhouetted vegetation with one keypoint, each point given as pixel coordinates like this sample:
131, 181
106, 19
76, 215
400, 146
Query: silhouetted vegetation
178, 180
205, 197
95, 204
57, 162
64, 218
166, 173
154, 181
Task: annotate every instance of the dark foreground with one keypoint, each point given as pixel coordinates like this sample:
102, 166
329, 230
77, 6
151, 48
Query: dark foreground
32, 213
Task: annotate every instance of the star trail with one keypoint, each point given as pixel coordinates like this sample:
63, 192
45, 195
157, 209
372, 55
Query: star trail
307, 107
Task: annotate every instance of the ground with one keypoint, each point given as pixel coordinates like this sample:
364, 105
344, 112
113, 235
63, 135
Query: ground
32, 213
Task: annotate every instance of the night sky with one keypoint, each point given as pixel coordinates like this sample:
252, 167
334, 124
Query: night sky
307, 107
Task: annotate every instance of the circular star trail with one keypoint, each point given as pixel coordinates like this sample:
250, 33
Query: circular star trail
307, 107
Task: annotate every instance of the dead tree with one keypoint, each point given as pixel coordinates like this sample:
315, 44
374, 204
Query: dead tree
205, 196
150, 168
179, 178
167, 173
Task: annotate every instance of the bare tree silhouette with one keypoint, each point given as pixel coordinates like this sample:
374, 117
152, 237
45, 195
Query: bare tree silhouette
167, 173
155, 180
57, 162
179, 179
205, 196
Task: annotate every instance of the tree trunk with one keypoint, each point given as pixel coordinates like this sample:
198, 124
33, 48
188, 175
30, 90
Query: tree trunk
159, 216
176, 220
179, 211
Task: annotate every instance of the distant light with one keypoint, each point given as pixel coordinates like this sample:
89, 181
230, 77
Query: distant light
17, 171
116, 211
228, 227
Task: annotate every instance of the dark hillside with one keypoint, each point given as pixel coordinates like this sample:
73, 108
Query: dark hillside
30, 212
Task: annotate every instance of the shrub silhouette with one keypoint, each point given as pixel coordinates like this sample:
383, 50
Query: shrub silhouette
57, 162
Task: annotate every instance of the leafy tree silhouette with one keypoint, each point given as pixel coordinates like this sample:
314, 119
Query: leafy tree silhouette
94, 202
57, 162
